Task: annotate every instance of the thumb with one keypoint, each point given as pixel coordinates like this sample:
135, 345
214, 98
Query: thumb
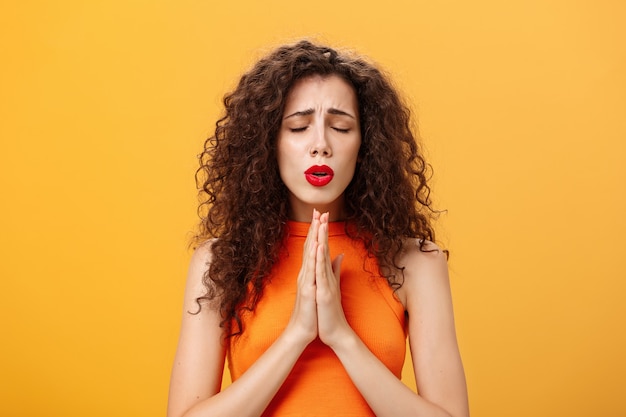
336, 264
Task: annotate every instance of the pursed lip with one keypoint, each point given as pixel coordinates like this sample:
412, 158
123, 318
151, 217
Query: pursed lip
320, 169
319, 175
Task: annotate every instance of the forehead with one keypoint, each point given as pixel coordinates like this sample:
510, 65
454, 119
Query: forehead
321, 91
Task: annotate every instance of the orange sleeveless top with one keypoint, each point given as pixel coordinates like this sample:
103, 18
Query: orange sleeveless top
318, 385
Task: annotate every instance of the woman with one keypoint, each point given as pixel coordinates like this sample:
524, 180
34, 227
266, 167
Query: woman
317, 258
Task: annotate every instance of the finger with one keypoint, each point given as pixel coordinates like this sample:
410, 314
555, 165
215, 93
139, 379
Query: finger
321, 268
322, 236
324, 218
307, 275
309, 265
312, 233
323, 257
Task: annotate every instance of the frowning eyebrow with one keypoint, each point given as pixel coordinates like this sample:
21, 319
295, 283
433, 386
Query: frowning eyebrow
308, 112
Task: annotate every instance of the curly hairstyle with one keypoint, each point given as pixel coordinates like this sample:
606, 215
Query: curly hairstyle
244, 204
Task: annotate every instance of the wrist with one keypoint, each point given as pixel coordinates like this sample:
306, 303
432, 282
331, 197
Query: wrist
297, 339
345, 342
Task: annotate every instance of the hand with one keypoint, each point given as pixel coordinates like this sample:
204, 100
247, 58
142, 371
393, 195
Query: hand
331, 319
303, 319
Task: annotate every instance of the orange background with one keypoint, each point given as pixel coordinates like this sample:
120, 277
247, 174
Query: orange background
104, 106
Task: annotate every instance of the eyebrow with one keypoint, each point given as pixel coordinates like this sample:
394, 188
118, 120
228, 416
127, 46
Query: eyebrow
308, 112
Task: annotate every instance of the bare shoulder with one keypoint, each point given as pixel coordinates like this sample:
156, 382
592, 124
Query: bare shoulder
201, 256
422, 251
425, 270
423, 260
198, 265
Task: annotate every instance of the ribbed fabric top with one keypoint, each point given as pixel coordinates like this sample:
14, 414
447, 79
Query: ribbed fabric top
318, 385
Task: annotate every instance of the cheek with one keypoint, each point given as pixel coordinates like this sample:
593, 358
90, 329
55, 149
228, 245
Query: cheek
355, 151
280, 152
285, 161
284, 148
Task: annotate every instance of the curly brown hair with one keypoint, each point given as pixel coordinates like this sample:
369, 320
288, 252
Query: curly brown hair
244, 204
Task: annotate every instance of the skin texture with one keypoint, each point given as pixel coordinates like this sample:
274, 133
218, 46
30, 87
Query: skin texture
320, 127
317, 312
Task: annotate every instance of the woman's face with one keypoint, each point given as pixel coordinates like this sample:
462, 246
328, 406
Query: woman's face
318, 145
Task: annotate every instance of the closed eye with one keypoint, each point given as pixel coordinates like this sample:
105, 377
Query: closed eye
341, 130
298, 129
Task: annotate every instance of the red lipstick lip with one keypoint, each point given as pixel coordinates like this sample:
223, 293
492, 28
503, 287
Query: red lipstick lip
319, 175
320, 169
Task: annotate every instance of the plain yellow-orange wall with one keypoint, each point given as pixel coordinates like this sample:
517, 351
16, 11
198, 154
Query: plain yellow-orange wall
104, 107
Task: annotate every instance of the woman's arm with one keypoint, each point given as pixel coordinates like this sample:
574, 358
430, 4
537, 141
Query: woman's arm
432, 335
436, 360
199, 362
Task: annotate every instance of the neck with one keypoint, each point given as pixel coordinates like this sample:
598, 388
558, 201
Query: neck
302, 212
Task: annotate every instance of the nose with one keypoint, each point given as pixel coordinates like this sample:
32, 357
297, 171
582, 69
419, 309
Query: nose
320, 145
